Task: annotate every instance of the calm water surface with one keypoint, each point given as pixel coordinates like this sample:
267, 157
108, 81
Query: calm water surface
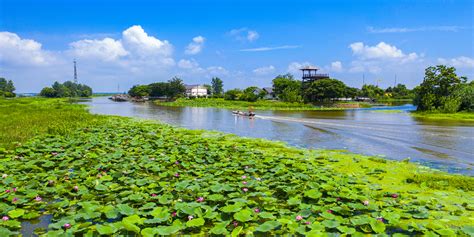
446, 145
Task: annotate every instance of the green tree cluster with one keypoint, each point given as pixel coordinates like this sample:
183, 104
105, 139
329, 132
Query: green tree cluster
443, 90
287, 89
250, 94
172, 89
217, 86
66, 89
6, 88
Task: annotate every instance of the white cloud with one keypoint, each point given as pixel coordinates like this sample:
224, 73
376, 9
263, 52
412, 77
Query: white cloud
106, 49
294, 67
336, 66
270, 48
415, 29
461, 62
244, 34
187, 64
195, 46
217, 71
264, 70
18, 51
381, 51
252, 35
140, 44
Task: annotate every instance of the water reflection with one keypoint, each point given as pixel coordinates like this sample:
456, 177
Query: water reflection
445, 145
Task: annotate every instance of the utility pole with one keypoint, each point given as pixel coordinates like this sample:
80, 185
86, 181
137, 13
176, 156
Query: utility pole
395, 83
363, 79
75, 72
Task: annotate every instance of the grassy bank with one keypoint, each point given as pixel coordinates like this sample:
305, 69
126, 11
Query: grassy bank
123, 176
462, 116
258, 105
23, 118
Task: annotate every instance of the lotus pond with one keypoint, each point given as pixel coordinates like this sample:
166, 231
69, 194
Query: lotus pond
142, 178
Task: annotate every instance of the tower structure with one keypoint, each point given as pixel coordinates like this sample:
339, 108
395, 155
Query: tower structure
75, 72
310, 74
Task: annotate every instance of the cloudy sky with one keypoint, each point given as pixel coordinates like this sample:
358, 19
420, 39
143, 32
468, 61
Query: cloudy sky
249, 42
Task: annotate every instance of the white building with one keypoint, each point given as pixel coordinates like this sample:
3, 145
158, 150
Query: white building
195, 90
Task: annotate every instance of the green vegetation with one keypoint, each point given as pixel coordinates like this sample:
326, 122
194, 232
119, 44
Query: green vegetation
442, 90
172, 89
67, 89
6, 88
462, 116
217, 86
125, 177
23, 118
246, 105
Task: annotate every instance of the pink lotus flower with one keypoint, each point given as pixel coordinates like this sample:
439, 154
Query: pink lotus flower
394, 195
246, 167
176, 175
256, 210
54, 153
380, 219
190, 217
244, 182
200, 199
244, 177
366, 202
76, 188
258, 179
4, 176
67, 226
14, 189
235, 223
38, 199
152, 159
299, 218
5, 218
176, 162
7, 191
338, 199
329, 211
15, 199
153, 194
174, 214
308, 223
245, 189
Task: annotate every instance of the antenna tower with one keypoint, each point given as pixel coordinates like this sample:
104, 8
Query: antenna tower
75, 72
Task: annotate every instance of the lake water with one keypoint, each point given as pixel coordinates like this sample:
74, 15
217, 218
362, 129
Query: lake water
446, 145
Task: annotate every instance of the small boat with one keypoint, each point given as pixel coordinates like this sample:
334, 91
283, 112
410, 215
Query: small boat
241, 113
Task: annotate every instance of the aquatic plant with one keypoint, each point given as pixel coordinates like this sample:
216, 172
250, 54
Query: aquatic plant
287, 190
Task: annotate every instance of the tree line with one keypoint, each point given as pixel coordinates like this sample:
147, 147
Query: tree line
6, 88
66, 89
173, 88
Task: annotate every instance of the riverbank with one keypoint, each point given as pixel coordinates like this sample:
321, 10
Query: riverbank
460, 116
122, 175
258, 105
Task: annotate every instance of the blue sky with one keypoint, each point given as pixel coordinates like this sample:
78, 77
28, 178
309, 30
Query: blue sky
243, 42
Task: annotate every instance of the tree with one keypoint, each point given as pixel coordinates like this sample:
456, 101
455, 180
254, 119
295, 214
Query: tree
436, 92
7, 88
217, 86
282, 82
48, 92
251, 94
325, 89
233, 94
351, 92
466, 94
209, 88
176, 88
291, 95
67, 89
140, 91
371, 91
159, 89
